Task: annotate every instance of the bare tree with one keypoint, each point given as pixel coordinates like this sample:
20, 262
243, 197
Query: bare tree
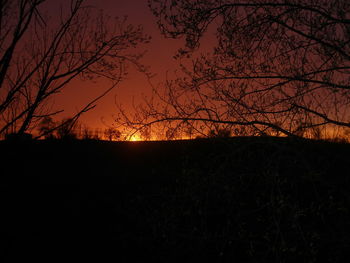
277, 67
47, 127
112, 134
67, 129
40, 56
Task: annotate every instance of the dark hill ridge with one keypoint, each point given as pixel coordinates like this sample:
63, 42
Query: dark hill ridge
251, 199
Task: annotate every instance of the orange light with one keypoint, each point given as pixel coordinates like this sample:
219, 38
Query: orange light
135, 138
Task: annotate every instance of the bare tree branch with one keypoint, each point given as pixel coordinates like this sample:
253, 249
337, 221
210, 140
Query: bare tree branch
276, 66
42, 57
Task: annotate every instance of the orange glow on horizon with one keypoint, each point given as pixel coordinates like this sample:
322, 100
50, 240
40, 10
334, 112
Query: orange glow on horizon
135, 138
158, 56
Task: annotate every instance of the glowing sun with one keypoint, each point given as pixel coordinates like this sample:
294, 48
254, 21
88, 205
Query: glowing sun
135, 138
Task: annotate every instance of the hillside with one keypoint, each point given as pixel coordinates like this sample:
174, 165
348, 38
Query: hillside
253, 199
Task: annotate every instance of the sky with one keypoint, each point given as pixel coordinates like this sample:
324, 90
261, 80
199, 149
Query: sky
159, 57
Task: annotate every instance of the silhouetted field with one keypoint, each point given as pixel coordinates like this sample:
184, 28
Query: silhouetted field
250, 199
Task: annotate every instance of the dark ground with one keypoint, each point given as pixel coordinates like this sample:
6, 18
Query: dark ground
249, 199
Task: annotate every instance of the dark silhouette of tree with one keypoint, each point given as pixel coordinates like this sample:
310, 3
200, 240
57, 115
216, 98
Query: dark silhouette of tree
40, 56
277, 67
67, 129
86, 133
220, 133
112, 134
47, 127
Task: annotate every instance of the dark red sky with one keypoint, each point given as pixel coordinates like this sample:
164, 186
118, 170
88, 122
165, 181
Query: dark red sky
159, 57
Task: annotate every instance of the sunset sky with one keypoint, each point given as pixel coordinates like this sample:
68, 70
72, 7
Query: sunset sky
159, 58
245, 73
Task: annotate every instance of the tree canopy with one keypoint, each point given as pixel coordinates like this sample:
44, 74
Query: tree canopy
41, 55
277, 67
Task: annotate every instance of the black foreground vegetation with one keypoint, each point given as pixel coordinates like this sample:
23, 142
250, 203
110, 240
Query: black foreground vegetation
250, 199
